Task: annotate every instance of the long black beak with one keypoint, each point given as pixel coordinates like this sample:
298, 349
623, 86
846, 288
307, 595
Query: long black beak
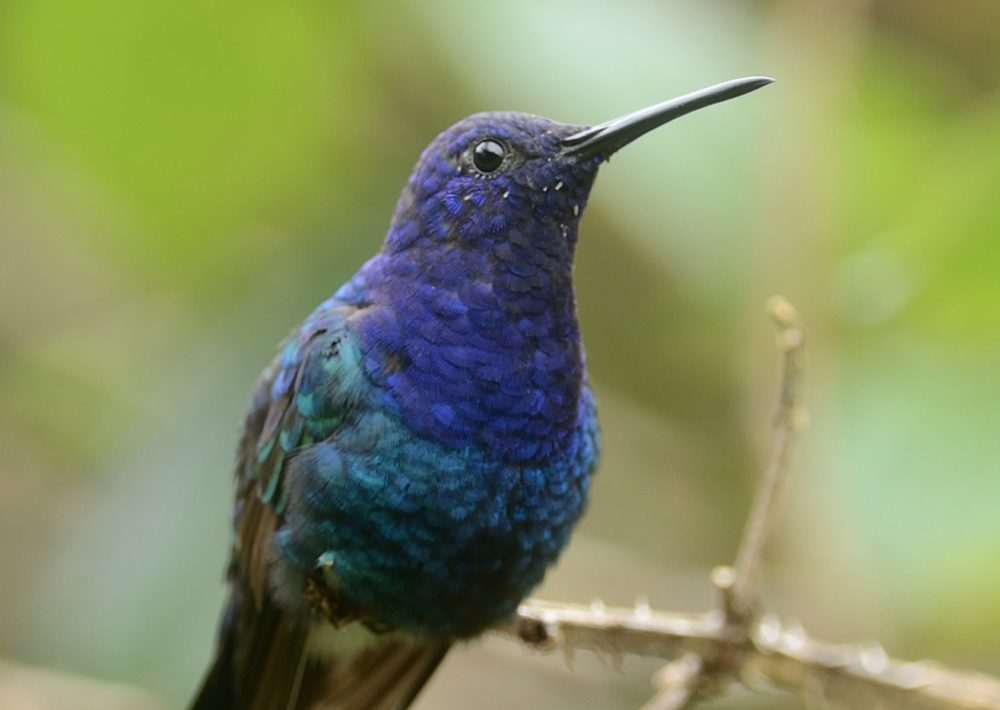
605, 138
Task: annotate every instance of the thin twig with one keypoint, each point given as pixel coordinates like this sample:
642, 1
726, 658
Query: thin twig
746, 571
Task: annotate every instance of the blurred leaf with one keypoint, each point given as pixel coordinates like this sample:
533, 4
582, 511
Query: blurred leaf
917, 450
917, 381
199, 116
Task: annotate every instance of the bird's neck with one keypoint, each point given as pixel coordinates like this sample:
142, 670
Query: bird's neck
477, 346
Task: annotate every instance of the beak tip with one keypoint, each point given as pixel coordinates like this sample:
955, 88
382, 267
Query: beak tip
750, 83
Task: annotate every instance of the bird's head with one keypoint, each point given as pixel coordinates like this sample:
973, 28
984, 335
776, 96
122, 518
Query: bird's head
492, 173
471, 330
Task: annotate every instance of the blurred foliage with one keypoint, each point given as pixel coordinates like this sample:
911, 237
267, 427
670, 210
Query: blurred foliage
181, 182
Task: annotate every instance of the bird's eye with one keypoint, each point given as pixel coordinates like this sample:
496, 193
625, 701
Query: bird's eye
488, 155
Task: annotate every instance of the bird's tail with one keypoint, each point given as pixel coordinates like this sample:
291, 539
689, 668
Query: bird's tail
261, 664
386, 676
217, 688
259, 661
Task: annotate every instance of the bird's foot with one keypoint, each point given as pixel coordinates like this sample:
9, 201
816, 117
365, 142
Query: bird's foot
324, 599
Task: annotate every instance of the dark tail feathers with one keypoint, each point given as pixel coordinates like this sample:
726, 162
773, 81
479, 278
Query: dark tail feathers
260, 665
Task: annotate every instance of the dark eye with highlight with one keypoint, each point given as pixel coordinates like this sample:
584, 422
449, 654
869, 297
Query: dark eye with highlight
488, 155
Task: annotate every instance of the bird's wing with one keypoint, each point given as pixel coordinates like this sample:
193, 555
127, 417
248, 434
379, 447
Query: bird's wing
300, 398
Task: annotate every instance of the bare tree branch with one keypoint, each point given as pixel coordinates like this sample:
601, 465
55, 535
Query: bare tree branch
778, 652
735, 642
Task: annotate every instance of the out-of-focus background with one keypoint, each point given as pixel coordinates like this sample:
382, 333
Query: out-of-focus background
180, 182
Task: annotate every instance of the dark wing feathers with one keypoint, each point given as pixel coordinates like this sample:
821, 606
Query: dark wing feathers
302, 396
385, 677
272, 431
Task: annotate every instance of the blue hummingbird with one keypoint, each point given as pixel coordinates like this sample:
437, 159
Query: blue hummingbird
417, 454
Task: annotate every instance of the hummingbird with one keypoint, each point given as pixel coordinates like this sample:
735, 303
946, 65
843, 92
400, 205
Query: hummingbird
416, 455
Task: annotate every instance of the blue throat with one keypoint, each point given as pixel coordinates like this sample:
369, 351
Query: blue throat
471, 327
474, 355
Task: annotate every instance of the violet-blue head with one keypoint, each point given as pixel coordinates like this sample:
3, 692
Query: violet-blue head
418, 453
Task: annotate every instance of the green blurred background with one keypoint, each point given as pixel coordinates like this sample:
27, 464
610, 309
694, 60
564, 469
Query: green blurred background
180, 182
